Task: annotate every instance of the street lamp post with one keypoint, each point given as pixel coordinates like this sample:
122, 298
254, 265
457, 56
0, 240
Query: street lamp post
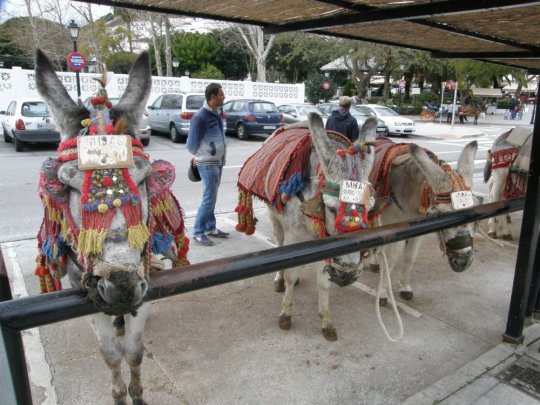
186, 72
401, 91
74, 32
175, 63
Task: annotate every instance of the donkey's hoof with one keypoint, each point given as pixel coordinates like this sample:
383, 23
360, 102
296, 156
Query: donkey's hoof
507, 237
492, 235
406, 295
383, 302
330, 334
374, 267
285, 322
120, 402
279, 286
139, 401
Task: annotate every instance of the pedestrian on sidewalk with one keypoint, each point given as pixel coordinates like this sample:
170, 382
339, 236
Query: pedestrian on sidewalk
342, 121
206, 141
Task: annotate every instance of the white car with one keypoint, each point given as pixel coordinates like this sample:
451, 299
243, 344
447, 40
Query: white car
299, 112
397, 125
28, 121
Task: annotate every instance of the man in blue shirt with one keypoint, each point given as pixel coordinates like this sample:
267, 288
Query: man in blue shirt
206, 141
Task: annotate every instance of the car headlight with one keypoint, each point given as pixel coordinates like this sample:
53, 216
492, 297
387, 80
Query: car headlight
397, 124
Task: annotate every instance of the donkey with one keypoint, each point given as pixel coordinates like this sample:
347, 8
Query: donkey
417, 184
504, 175
112, 262
294, 223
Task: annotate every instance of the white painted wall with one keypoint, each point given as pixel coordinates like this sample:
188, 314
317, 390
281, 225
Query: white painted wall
18, 83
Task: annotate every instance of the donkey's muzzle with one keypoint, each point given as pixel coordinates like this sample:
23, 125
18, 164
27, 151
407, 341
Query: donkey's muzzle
341, 278
460, 253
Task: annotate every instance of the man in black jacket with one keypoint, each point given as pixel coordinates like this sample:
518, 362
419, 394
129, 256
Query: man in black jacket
342, 121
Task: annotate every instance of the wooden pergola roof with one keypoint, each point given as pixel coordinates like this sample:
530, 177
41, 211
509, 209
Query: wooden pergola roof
505, 32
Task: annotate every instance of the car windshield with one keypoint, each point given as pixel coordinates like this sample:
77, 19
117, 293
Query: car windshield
357, 112
385, 112
261, 107
194, 102
34, 109
306, 109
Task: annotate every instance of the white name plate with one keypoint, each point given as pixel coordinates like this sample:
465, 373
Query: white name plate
462, 199
354, 192
104, 152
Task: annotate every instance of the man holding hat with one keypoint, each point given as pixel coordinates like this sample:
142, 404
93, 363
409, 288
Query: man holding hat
342, 121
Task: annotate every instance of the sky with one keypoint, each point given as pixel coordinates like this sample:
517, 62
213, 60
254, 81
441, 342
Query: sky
17, 8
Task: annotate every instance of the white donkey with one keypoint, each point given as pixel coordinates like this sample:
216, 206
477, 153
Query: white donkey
97, 224
418, 185
501, 160
328, 166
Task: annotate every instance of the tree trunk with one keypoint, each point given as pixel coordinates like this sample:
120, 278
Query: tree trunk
168, 58
157, 53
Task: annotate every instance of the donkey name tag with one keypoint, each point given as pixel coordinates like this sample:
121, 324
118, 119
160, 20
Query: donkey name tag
354, 192
461, 199
104, 152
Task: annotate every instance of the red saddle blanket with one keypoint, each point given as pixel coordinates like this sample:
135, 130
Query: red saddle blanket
280, 166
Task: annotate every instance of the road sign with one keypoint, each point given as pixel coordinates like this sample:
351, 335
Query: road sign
326, 85
401, 84
76, 61
451, 84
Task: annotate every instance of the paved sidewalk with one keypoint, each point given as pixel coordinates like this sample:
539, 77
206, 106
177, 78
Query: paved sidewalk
442, 130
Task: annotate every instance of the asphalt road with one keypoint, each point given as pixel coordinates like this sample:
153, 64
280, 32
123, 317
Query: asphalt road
21, 209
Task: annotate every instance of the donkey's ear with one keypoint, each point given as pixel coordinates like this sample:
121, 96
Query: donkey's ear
67, 114
434, 174
133, 102
465, 164
368, 131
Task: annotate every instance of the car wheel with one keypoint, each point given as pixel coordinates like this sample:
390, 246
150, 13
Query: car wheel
145, 142
241, 132
19, 145
7, 138
175, 135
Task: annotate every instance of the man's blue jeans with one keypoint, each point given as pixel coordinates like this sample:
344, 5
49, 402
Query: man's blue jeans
211, 179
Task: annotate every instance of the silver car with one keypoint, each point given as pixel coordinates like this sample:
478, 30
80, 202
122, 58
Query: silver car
299, 112
360, 116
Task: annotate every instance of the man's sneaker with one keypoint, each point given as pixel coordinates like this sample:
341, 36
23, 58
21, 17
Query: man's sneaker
218, 233
202, 239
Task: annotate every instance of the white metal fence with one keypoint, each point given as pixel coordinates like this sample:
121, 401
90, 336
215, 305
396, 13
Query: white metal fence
18, 83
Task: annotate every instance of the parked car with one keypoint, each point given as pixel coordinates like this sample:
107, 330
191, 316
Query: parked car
361, 116
397, 125
145, 132
247, 117
144, 128
171, 113
28, 121
298, 112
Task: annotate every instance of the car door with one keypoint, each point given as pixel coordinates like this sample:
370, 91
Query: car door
154, 111
10, 118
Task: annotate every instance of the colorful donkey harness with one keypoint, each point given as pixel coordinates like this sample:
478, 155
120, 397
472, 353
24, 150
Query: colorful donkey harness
104, 191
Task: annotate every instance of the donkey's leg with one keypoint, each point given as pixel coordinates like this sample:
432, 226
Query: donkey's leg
412, 246
134, 350
323, 284
500, 227
111, 351
290, 276
279, 236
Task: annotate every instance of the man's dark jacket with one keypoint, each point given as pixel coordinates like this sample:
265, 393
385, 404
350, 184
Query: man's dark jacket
344, 124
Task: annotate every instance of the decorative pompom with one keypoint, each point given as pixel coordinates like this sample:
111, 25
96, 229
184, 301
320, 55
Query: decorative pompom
102, 208
117, 202
249, 230
240, 227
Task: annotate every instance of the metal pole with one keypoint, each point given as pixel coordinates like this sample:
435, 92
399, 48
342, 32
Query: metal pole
77, 73
454, 105
534, 295
35, 311
528, 242
13, 371
442, 100
536, 100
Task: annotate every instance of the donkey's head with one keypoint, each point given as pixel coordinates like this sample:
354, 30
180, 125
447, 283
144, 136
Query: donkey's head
346, 193
108, 222
458, 241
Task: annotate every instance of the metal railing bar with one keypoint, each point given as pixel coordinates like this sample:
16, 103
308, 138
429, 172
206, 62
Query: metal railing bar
35, 311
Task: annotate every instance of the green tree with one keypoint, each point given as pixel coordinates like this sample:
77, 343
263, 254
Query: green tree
208, 72
195, 50
120, 62
233, 59
314, 88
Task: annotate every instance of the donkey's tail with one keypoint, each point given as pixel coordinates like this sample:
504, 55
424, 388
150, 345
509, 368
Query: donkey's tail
487, 167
